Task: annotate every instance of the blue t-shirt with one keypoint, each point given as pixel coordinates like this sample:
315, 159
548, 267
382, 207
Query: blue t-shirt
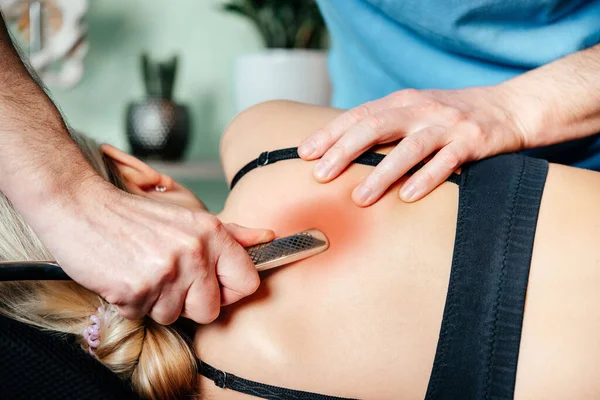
381, 46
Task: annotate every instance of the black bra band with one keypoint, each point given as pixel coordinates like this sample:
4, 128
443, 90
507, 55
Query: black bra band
369, 158
225, 380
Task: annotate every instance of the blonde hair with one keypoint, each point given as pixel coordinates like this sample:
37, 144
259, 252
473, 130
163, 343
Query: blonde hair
157, 359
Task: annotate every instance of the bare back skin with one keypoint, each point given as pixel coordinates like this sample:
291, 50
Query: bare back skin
362, 320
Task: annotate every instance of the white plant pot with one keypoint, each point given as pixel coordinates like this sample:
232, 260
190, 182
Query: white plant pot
298, 75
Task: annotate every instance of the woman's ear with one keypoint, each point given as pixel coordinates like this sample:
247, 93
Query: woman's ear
139, 177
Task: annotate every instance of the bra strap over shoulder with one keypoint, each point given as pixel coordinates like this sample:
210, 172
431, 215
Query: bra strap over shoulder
369, 158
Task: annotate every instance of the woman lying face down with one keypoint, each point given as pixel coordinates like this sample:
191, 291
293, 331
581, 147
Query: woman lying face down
497, 291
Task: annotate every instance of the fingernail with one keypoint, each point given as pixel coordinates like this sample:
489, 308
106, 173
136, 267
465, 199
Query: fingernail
322, 169
362, 194
408, 192
307, 148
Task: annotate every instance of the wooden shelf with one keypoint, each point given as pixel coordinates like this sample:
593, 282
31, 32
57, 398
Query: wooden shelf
197, 170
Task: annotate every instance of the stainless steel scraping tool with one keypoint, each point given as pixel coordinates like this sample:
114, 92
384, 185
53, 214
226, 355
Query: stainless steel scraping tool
288, 249
276, 253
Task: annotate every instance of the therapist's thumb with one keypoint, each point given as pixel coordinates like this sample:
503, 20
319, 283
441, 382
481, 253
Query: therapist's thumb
249, 236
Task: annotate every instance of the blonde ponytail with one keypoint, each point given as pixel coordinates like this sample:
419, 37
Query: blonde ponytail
166, 367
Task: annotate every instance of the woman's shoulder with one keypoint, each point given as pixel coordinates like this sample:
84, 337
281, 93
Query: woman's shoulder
269, 126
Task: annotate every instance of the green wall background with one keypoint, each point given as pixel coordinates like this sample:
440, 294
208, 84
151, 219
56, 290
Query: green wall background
208, 41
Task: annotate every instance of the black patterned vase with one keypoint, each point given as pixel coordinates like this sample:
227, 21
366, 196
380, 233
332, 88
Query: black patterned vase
158, 128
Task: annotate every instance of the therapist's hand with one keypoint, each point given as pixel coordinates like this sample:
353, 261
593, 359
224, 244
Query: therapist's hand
143, 256
149, 257
455, 126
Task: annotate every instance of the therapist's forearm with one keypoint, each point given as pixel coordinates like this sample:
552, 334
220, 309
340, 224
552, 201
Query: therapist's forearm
38, 159
559, 101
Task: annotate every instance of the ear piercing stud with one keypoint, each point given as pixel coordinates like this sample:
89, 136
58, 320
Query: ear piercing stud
160, 188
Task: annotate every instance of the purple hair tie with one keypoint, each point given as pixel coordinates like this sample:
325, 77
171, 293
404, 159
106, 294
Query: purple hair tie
91, 334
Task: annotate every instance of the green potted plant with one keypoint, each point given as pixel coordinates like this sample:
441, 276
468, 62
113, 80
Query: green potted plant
293, 65
158, 127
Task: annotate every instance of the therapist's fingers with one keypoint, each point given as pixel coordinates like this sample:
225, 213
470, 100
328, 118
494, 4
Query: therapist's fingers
237, 275
229, 296
377, 128
230, 292
408, 153
203, 300
169, 304
232, 277
435, 172
321, 140
248, 236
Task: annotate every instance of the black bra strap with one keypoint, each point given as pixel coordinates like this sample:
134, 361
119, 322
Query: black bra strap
369, 158
265, 158
229, 381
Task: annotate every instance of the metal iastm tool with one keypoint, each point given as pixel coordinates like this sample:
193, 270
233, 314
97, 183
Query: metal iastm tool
288, 249
276, 253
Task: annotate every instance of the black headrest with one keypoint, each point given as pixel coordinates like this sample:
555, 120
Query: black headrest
35, 364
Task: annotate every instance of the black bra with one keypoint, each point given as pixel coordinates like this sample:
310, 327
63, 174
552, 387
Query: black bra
369, 158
